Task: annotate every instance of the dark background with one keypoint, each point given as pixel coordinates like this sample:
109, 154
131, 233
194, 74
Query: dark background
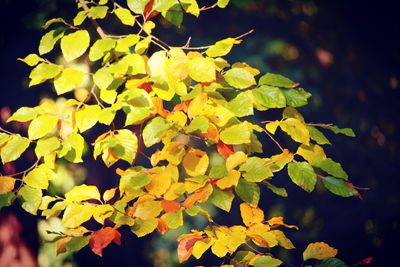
345, 53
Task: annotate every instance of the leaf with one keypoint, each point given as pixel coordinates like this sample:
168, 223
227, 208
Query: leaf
83, 192
137, 6
279, 191
282, 239
39, 177
98, 12
87, 117
275, 80
73, 45
50, 39
75, 144
154, 130
248, 192
43, 72
303, 175
124, 44
271, 126
6, 199
195, 162
76, 214
331, 167
125, 16
201, 69
31, 59
317, 136
102, 78
13, 149
45, 146
159, 183
254, 170
242, 258
185, 246
170, 205
68, 80
218, 171
41, 126
23, 114
200, 195
6, 184
77, 243
202, 246
236, 134
222, 198
235, 160
230, 180
296, 97
109, 194
319, 250
30, 198
311, 152
100, 48
198, 124
102, 238
52, 21
251, 215
239, 78
103, 212
339, 187
296, 130
144, 227
146, 208
222, 3
221, 48
331, 262
173, 219
337, 130
174, 15
242, 105
269, 97
266, 261
80, 17
261, 235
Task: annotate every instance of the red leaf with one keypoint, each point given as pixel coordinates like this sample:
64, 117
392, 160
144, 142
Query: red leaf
146, 86
350, 185
364, 261
170, 205
102, 238
148, 8
224, 149
185, 247
162, 226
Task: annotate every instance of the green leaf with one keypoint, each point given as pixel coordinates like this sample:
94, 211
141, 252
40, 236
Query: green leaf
248, 192
139, 180
102, 78
30, 198
31, 59
277, 190
331, 167
221, 48
125, 16
125, 145
39, 177
75, 44
174, 15
199, 124
23, 114
338, 187
336, 130
77, 243
254, 170
201, 69
154, 130
296, 130
296, 97
242, 105
13, 149
242, 257
87, 117
135, 115
330, 262
144, 227
270, 97
222, 3
193, 93
303, 175
98, 12
83, 192
80, 17
76, 214
68, 80
275, 80
222, 198
173, 219
317, 136
162, 90
239, 78
124, 44
236, 134
41, 125
43, 72
100, 48
75, 143
137, 6
50, 39
266, 261
6, 199
218, 171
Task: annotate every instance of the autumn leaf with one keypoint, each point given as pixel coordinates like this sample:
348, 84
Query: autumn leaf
251, 215
224, 149
170, 205
200, 195
319, 250
185, 246
102, 238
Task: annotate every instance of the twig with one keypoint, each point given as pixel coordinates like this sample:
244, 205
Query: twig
273, 139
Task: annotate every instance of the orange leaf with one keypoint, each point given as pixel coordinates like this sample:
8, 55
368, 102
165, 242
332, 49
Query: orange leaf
6, 184
159, 106
277, 221
185, 246
200, 195
212, 133
162, 226
259, 240
183, 106
224, 149
350, 185
170, 205
102, 238
251, 215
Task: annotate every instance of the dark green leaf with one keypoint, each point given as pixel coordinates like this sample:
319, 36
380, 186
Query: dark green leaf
317, 136
303, 175
336, 130
248, 192
331, 167
338, 187
77, 243
269, 97
218, 171
6, 199
330, 262
222, 198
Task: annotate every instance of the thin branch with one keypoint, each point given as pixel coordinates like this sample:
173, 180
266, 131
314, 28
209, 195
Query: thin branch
273, 139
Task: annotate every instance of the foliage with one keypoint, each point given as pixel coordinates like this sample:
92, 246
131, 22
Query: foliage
210, 109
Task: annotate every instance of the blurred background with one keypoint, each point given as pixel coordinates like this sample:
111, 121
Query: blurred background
346, 53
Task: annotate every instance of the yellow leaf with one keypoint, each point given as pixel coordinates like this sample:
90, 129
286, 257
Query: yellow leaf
76, 214
83, 192
87, 117
144, 227
282, 239
147, 209
261, 235
246, 66
197, 105
235, 159
192, 184
195, 162
201, 246
174, 191
277, 221
6, 184
109, 194
177, 117
159, 183
201, 69
319, 250
296, 130
103, 212
311, 152
251, 215
218, 114
231, 180
149, 26
228, 239
68, 80
277, 162
271, 126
